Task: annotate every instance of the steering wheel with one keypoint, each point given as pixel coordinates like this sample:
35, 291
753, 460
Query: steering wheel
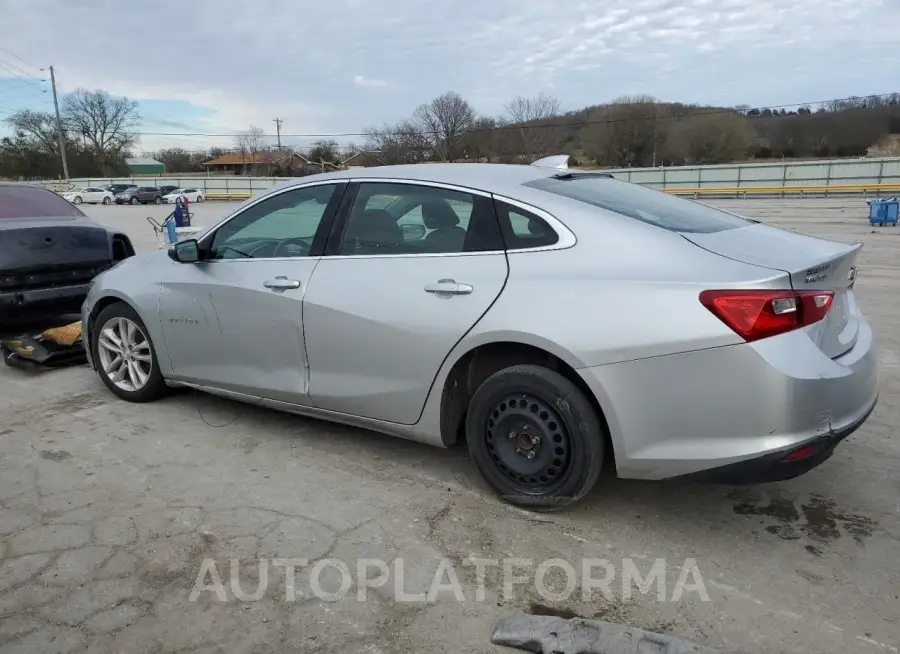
293, 247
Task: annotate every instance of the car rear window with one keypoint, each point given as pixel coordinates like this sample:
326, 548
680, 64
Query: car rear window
33, 202
641, 203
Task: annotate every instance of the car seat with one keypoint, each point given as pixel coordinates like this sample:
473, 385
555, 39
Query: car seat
375, 231
447, 235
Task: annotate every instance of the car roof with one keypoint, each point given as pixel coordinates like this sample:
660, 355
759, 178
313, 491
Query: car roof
502, 179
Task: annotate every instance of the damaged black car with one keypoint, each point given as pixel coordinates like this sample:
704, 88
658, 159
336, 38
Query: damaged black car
49, 253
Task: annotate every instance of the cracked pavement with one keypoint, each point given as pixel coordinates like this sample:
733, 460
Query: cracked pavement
108, 511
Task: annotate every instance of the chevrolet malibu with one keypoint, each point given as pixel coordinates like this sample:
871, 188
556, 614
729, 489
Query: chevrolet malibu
553, 320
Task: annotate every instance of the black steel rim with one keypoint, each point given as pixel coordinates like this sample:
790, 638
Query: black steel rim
528, 442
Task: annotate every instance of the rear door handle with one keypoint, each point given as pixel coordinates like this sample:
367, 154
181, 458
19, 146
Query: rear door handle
281, 283
448, 287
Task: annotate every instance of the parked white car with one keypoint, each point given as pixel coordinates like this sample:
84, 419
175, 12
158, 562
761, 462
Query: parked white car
89, 194
190, 194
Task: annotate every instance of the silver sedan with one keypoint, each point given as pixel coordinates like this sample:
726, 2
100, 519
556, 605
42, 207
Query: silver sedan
554, 320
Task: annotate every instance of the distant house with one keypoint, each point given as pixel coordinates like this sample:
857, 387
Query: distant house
145, 166
363, 159
269, 163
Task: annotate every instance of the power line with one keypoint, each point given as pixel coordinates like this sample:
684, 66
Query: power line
13, 54
11, 69
582, 123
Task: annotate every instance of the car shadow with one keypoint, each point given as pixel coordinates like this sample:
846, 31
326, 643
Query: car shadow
807, 509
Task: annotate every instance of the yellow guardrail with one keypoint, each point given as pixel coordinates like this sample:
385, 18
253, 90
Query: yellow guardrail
783, 190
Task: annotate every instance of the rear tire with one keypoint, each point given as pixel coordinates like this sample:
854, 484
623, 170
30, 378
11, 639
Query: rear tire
118, 333
157, 200
535, 437
134, 200
199, 199
106, 200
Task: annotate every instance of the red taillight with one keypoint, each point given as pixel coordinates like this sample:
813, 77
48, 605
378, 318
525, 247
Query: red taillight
755, 314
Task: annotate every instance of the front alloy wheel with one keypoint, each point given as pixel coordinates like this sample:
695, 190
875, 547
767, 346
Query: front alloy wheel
124, 354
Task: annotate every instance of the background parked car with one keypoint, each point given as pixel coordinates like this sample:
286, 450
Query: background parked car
165, 190
191, 194
142, 194
89, 194
118, 188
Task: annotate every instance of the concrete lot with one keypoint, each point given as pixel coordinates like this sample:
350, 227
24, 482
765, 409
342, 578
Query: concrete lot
108, 510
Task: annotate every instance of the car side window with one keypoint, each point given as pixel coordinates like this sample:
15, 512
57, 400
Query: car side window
283, 225
391, 218
522, 229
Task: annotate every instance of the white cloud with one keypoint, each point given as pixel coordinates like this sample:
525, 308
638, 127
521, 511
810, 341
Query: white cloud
368, 82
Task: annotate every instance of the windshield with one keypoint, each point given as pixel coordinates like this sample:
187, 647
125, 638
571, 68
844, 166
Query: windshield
641, 203
176, 190
33, 202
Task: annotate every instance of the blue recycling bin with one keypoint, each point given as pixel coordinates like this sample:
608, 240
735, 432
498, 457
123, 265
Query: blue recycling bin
883, 212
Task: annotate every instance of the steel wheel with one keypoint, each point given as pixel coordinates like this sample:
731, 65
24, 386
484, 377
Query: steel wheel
125, 354
528, 442
535, 437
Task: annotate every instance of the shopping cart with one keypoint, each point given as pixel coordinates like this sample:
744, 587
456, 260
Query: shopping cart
161, 232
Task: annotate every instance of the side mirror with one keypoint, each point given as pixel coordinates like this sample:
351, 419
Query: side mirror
185, 251
412, 232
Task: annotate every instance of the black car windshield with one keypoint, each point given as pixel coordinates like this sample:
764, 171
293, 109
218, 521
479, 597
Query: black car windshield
641, 203
33, 202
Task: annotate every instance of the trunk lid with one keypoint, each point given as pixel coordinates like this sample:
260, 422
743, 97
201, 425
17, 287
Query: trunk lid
51, 244
811, 263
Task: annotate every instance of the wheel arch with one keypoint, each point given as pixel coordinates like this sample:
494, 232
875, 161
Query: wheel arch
480, 361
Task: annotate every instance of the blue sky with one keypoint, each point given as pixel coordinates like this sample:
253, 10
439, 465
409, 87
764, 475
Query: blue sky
217, 66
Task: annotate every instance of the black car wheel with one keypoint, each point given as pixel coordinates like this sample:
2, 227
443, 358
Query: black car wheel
106, 200
535, 437
124, 356
157, 200
134, 200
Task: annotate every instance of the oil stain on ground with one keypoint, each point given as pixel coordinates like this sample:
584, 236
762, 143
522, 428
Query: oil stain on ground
818, 519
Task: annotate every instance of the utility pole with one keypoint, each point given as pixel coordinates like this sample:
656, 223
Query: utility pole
59, 129
278, 122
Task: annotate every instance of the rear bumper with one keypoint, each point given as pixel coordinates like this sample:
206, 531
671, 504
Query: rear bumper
36, 303
777, 466
735, 409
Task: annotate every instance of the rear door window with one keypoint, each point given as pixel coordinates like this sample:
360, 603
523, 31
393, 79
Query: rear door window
641, 203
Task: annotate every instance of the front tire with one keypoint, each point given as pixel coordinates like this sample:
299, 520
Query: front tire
124, 356
535, 437
158, 200
77, 200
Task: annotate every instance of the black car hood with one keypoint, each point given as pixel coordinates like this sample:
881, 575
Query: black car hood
52, 243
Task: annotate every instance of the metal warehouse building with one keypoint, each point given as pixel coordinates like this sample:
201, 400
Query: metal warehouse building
145, 166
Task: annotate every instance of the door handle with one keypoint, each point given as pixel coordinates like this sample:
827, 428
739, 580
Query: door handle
281, 283
448, 287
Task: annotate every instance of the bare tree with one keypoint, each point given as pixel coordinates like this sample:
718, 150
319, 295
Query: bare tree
38, 125
626, 132
250, 143
103, 121
444, 121
404, 142
532, 114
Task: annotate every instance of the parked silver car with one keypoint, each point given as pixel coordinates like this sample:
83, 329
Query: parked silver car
555, 320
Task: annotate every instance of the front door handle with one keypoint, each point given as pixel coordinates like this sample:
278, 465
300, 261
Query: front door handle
281, 283
448, 287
